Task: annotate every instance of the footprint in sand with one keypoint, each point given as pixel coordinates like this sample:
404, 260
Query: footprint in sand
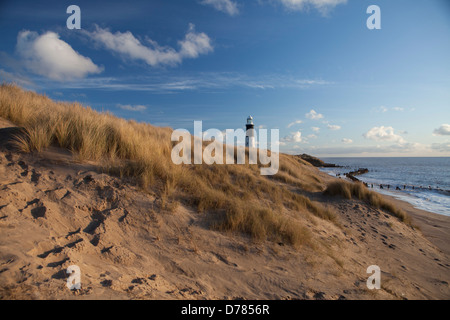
106, 283
24, 167
35, 176
57, 264
225, 260
39, 212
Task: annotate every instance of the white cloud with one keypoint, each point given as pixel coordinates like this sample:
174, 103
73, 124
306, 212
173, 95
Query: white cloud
49, 56
316, 129
322, 6
294, 123
443, 130
383, 134
195, 44
129, 47
312, 136
226, 6
398, 109
347, 141
132, 108
333, 127
314, 115
293, 137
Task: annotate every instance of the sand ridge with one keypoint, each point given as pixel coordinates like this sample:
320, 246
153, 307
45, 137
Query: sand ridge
56, 212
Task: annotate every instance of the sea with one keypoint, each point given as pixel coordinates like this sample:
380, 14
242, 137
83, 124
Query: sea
423, 182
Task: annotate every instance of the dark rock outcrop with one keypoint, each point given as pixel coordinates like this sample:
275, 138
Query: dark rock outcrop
351, 175
359, 172
316, 162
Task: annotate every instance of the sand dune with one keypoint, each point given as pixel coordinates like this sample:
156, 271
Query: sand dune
56, 211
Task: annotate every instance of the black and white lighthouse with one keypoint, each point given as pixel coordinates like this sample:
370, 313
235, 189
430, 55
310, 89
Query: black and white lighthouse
250, 134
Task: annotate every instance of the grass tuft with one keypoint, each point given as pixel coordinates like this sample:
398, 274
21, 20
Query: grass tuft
357, 190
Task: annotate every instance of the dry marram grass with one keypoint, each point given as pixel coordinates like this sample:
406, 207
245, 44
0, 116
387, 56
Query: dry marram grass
357, 190
247, 202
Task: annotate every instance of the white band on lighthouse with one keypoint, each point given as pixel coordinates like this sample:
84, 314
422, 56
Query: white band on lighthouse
250, 140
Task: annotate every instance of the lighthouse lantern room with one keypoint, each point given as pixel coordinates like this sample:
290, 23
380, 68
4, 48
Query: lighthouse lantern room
250, 133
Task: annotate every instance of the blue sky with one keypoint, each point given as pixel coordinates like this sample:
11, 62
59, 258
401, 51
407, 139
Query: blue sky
310, 68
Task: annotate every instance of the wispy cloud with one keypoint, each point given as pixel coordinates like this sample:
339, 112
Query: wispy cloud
129, 47
383, 109
441, 147
16, 78
333, 127
164, 82
347, 141
294, 123
132, 108
393, 149
227, 6
323, 6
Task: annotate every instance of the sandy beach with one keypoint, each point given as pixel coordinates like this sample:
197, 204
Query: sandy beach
56, 211
435, 227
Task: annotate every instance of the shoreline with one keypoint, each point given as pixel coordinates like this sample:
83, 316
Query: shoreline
434, 226
398, 192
